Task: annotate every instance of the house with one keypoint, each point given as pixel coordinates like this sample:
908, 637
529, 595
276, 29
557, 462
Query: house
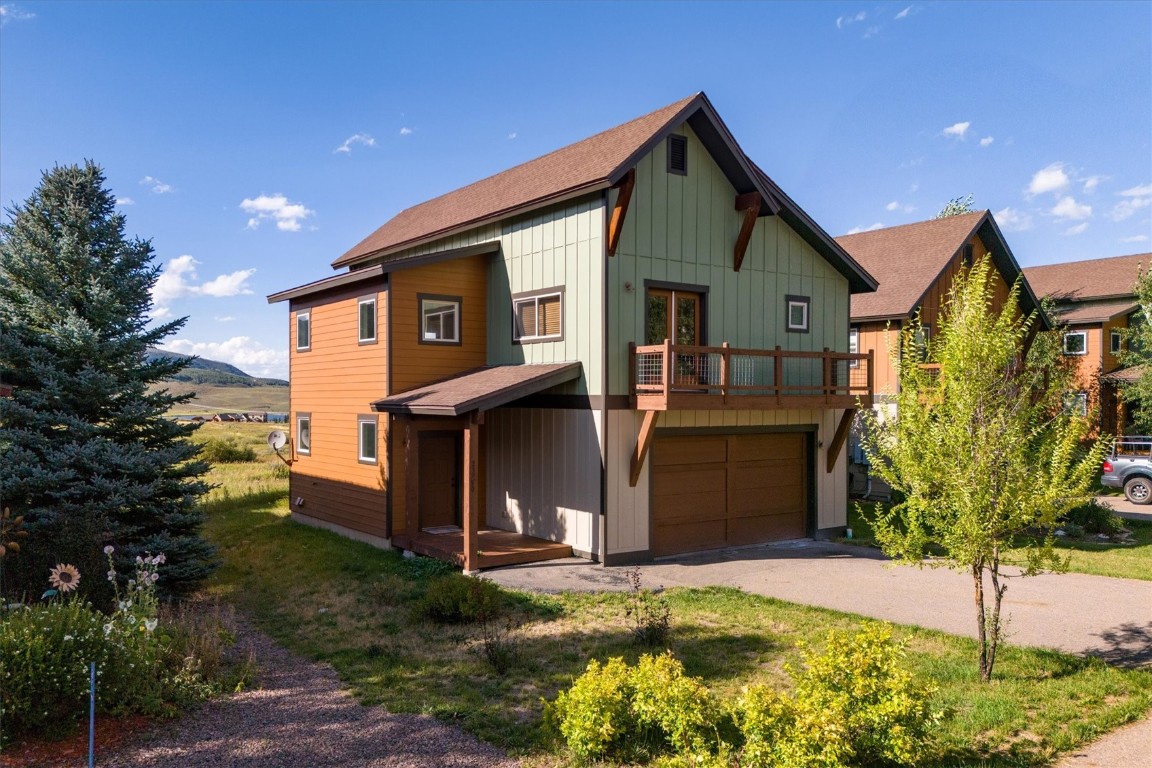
916, 265
631, 347
1095, 301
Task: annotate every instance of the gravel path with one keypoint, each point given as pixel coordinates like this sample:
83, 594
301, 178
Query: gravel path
295, 716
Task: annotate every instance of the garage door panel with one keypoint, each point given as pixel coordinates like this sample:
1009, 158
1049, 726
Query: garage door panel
687, 537
765, 528
748, 503
689, 450
789, 446
765, 476
689, 479
689, 506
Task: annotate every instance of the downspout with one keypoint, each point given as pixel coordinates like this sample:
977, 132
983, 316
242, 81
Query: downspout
604, 337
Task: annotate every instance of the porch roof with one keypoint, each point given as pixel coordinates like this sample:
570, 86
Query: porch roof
480, 389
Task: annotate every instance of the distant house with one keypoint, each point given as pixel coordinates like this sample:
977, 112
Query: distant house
631, 347
1095, 301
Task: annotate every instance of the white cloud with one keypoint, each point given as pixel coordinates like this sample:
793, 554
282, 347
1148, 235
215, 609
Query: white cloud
843, 21
1012, 220
1134, 239
904, 13
896, 205
871, 32
1048, 179
1092, 182
287, 215
1076, 230
178, 279
245, 353
356, 138
1144, 191
405, 131
869, 228
987, 141
125, 201
224, 318
892, 206
1068, 208
10, 12
156, 185
957, 129
512, 135
1135, 198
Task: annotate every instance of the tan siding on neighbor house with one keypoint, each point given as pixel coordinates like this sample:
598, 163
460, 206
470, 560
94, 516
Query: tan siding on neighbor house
335, 381
1088, 365
883, 339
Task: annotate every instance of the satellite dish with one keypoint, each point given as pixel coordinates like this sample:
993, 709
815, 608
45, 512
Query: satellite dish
277, 439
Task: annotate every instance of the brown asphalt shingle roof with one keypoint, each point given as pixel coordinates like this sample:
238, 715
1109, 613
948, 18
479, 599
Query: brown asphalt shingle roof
479, 389
1094, 311
905, 260
585, 164
1089, 279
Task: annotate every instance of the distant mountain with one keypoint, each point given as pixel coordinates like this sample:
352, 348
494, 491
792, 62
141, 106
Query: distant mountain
204, 371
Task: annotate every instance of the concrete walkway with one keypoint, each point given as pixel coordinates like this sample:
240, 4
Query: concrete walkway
1075, 613
1127, 509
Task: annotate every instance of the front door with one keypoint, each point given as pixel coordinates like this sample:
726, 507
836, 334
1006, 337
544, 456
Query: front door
675, 315
439, 479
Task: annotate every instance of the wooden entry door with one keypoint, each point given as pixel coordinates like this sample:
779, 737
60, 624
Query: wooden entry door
675, 315
439, 479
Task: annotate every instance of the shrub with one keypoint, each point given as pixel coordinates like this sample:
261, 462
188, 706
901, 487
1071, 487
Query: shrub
1093, 517
594, 716
853, 703
219, 450
459, 599
648, 612
680, 709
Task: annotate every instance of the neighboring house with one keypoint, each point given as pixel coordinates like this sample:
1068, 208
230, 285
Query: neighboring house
634, 346
1095, 301
916, 265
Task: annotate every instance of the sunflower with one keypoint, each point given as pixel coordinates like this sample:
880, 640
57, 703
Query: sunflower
64, 577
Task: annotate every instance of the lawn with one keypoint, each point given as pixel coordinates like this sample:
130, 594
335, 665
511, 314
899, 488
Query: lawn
1085, 555
350, 604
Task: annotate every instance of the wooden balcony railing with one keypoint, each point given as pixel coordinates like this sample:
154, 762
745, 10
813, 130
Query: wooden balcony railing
680, 377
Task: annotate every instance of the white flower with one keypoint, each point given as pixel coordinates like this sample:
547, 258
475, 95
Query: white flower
67, 637
108, 629
109, 549
131, 619
139, 560
155, 577
150, 624
160, 559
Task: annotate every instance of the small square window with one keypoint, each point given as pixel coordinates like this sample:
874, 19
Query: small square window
538, 317
1117, 342
304, 434
303, 330
797, 313
439, 320
1076, 343
367, 432
1076, 403
854, 346
367, 307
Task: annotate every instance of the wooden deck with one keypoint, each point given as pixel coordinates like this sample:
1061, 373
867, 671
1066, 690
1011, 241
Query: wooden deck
496, 547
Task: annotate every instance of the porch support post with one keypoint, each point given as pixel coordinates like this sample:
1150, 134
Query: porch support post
471, 493
620, 210
840, 438
643, 443
411, 479
749, 205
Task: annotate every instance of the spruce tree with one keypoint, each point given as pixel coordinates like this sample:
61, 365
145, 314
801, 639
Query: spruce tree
86, 452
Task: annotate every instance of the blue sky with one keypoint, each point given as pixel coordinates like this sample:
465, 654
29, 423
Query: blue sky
255, 142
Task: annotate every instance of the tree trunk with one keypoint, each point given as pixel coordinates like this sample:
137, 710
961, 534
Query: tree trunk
998, 590
981, 629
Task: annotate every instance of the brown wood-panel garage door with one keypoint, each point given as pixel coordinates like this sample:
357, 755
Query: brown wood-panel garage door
712, 491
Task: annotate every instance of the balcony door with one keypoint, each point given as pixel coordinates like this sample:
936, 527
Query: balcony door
675, 314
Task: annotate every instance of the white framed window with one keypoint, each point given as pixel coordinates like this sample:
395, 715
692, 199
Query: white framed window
1116, 341
439, 319
1076, 343
1076, 403
304, 434
303, 330
538, 316
854, 346
366, 429
366, 308
797, 313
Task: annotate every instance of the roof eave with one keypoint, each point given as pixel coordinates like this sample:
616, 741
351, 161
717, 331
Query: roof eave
327, 284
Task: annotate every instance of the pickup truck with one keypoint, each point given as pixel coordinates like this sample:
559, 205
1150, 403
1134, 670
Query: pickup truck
1130, 467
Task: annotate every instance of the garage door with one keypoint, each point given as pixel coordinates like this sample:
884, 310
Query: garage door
712, 491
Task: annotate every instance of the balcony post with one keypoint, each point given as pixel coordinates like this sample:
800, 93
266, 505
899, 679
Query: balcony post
725, 371
778, 373
871, 379
666, 373
632, 363
827, 375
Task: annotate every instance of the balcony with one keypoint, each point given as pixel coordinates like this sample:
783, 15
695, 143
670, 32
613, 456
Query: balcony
670, 376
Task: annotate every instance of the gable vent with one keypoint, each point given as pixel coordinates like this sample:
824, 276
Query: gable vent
678, 155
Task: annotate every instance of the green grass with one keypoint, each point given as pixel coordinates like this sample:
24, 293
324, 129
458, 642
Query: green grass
1086, 555
211, 398
350, 604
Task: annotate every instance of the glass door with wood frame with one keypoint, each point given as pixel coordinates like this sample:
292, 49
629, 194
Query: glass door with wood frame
675, 315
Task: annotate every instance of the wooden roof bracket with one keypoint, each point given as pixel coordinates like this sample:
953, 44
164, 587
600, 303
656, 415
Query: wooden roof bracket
840, 438
749, 205
620, 210
643, 443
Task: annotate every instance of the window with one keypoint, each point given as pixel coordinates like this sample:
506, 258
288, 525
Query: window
678, 155
966, 255
854, 346
303, 330
304, 433
367, 307
797, 317
1117, 342
366, 428
1076, 403
1076, 343
439, 319
923, 339
538, 317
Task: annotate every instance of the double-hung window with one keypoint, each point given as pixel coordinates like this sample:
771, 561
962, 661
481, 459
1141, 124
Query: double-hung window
1117, 342
366, 431
1076, 343
303, 330
366, 308
854, 346
439, 319
304, 434
538, 316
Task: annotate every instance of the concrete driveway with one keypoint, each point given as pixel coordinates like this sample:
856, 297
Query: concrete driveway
1110, 618
1126, 509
